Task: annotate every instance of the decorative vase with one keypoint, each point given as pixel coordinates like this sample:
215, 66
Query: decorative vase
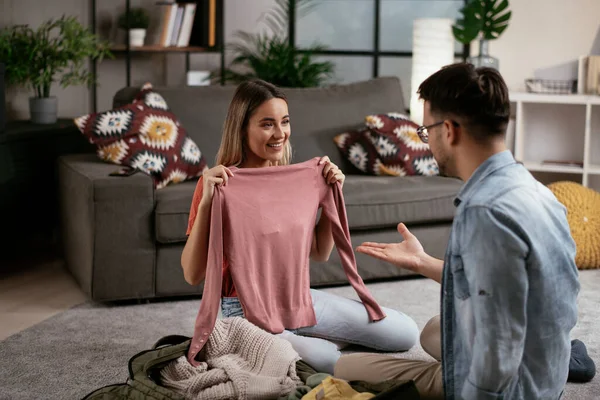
43, 110
484, 59
136, 37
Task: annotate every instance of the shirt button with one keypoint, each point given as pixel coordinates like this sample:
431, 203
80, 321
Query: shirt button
201, 340
196, 347
205, 333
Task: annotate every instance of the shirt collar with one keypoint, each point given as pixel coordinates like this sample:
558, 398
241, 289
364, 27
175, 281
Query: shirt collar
493, 163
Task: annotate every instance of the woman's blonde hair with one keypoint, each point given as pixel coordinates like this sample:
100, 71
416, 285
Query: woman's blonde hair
248, 96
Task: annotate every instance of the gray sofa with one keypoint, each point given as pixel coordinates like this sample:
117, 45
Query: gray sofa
123, 239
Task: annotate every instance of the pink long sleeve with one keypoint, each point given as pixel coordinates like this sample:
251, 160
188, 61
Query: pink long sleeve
335, 210
209, 305
263, 223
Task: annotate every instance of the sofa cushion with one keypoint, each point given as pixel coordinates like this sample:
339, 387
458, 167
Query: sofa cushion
371, 203
388, 145
145, 135
381, 201
172, 212
399, 146
317, 114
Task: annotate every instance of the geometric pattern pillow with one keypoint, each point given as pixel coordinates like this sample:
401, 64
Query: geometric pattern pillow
388, 145
145, 135
357, 147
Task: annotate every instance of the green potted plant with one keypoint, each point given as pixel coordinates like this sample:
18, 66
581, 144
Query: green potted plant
484, 20
136, 24
57, 51
271, 57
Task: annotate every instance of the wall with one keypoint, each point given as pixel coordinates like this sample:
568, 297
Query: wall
543, 33
158, 68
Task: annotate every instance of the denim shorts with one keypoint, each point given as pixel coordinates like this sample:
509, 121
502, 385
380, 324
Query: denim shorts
231, 307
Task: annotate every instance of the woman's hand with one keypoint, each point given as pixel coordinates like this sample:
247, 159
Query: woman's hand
218, 175
331, 172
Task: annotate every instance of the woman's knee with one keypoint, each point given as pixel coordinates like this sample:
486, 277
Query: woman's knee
319, 353
401, 332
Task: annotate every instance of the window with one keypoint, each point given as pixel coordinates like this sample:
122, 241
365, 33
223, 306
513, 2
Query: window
370, 38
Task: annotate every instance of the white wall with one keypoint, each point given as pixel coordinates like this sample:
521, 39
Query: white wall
543, 33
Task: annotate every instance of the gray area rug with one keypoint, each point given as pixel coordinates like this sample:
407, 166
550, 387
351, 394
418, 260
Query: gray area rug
88, 346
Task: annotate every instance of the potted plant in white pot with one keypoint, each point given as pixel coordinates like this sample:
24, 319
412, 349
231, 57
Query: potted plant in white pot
57, 51
135, 23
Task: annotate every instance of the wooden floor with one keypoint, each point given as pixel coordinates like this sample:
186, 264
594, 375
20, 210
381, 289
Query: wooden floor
34, 292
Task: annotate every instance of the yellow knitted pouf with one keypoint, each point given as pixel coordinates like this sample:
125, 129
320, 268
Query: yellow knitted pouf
583, 214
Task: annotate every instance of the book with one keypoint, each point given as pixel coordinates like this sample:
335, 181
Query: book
186, 25
170, 13
177, 26
207, 21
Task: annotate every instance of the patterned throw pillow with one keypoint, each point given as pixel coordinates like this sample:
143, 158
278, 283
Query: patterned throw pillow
388, 145
145, 135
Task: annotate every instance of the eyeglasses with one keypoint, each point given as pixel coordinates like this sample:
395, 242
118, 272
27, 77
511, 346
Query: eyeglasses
423, 131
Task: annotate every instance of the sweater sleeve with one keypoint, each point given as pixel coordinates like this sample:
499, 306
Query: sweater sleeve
211, 296
334, 208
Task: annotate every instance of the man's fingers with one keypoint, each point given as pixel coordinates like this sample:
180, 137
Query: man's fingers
373, 244
324, 159
403, 230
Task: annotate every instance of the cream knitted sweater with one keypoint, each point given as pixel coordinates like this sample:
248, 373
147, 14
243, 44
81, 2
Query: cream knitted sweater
242, 362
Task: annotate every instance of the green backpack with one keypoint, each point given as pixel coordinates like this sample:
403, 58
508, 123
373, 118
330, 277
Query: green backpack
144, 368
144, 371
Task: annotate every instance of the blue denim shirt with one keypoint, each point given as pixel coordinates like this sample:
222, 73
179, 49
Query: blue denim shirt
509, 288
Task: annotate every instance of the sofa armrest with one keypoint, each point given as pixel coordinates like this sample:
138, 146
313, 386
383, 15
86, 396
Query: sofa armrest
107, 228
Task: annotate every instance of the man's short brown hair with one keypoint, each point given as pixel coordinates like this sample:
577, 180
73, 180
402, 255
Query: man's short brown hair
478, 97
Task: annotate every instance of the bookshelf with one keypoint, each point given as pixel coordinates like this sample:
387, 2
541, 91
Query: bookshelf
216, 24
559, 134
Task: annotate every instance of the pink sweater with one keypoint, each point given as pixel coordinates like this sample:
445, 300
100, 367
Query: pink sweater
264, 221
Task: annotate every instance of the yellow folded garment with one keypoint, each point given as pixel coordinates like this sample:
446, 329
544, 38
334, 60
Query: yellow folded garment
335, 389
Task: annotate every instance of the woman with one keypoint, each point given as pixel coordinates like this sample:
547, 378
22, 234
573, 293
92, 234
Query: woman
256, 134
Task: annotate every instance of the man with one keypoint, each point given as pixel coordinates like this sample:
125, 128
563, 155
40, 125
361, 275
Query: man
509, 280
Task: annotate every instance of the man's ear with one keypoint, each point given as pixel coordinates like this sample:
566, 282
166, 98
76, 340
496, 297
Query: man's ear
453, 132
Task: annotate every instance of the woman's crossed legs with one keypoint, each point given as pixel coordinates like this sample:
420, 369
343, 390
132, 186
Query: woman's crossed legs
340, 322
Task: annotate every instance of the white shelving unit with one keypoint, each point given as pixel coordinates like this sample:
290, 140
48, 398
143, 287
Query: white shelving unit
562, 128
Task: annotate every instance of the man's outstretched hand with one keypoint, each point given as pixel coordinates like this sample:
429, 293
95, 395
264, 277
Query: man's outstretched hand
408, 254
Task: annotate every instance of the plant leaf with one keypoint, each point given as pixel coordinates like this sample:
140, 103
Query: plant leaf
269, 55
485, 17
496, 19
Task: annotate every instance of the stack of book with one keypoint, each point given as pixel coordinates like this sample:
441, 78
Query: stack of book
588, 80
190, 23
